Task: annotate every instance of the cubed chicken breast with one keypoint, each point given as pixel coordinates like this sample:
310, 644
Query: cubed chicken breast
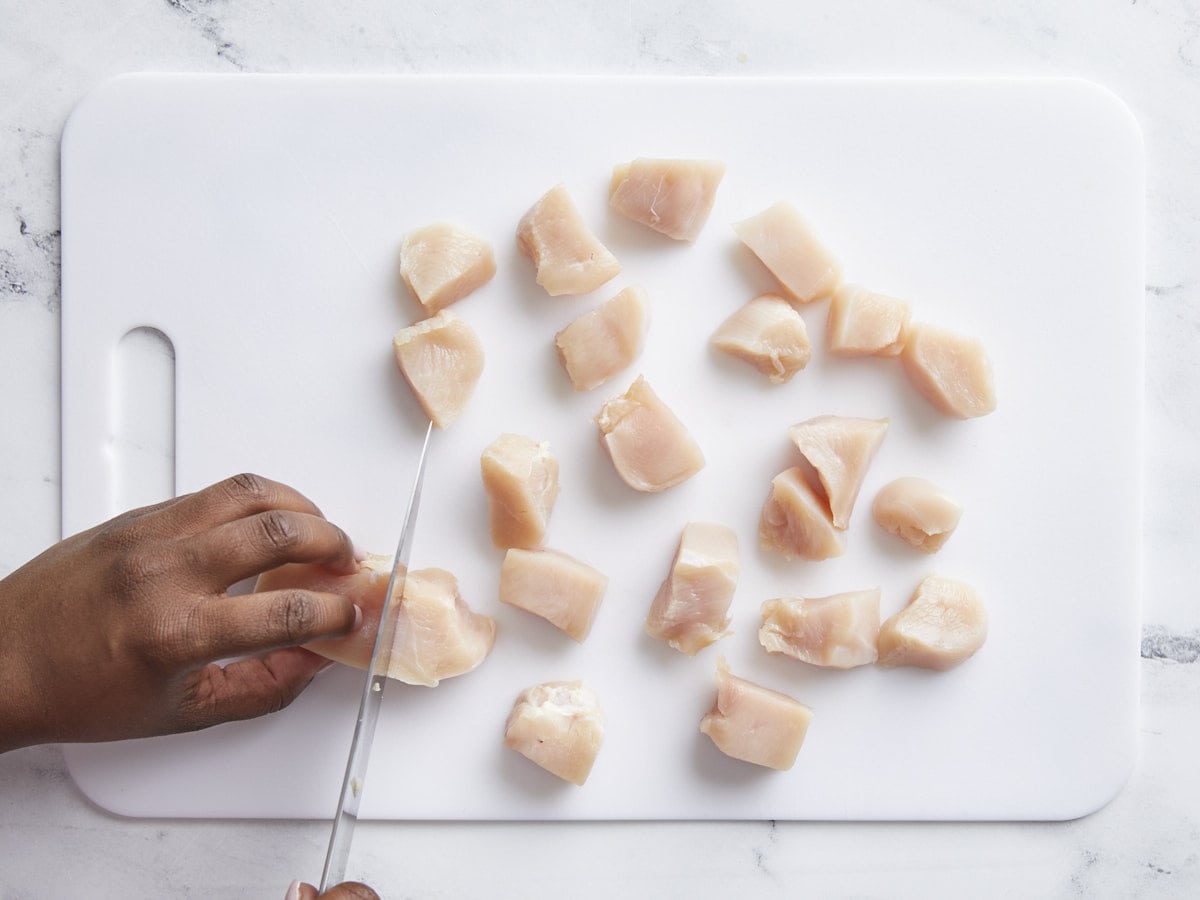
601, 343
769, 334
864, 323
442, 263
650, 448
785, 243
691, 609
437, 635
840, 449
838, 632
795, 522
943, 625
441, 358
952, 371
568, 257
559, 588
755, 724
917, 511
672, 196
520, 476
559, 725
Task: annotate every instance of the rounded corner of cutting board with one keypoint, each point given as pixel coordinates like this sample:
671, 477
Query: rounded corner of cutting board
99, 791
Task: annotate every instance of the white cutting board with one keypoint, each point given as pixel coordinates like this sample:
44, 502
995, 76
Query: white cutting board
256, 220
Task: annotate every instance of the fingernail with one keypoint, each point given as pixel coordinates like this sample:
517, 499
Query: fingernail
358, 617
293, 891
359, 553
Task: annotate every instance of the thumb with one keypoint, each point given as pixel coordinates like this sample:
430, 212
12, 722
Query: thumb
248, 688
347, 890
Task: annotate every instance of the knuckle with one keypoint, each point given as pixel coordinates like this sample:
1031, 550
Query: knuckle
280, 530
298, 616
136, 568
248, 488
174, 639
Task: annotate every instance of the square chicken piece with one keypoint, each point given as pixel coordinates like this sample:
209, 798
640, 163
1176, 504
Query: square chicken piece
520, 476
864, 323
794, 520
768, 334
787, 245
559, 588
559, 726
569, 259
755, 724
601, 343
691, 609
441, 358
442, 263
838, 632
672, 196
650, 448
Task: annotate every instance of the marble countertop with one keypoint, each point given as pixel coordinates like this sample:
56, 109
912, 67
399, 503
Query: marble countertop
54, 843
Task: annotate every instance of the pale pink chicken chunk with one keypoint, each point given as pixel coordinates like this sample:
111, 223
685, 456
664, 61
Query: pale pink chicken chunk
568, 257
437, 635
650, 448
917, 511
442, 263
769, 334
601, 343
944, 624
672, 196
755, 724
839, 632
691, 609
441, 358
952, 371
520, 476
559, 726
783, 240
557, 587
864, 323
794, 521
840, 448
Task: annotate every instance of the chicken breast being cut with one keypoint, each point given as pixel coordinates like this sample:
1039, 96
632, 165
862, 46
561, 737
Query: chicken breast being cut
864, 323
952, 371
557, 587
794, 521
755, 724
785, 243
769, 334
672, 196
560, 726
441, 358
944, 624
520, 476
840, 448
917, 511
601, 343
442, 263
838, 632
437, 635
650, 448
568, 257
691, 609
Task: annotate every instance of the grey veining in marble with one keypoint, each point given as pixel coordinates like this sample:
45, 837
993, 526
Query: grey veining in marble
53, 843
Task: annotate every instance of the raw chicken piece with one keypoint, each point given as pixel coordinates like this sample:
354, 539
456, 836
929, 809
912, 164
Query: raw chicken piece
755, 724
520, 476
864, 323
838, 632
441, 359
558, 725
557, 587
672, 196
918, 511
437, 634
786, 244
568, 257
601, 343
840, 449
650, 448
794, 521
366, 588
691, 609
952, 371
769, 334
442, 264
943, 625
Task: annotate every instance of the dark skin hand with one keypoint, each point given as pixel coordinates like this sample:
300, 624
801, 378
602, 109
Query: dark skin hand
113, 633
347, 890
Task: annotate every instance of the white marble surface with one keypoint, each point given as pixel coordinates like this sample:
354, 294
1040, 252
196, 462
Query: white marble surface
53, 843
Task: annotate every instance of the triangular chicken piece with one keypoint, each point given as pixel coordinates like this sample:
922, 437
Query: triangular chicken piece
840, 448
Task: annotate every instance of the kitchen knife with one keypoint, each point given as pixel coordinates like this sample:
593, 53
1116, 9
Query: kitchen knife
346, 816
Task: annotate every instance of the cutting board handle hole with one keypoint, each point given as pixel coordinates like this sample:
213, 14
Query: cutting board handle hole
142, 442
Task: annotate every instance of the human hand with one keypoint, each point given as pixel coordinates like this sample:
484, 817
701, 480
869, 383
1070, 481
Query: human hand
113, 632
347, 890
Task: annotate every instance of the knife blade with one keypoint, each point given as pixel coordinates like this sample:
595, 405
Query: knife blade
346, 816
